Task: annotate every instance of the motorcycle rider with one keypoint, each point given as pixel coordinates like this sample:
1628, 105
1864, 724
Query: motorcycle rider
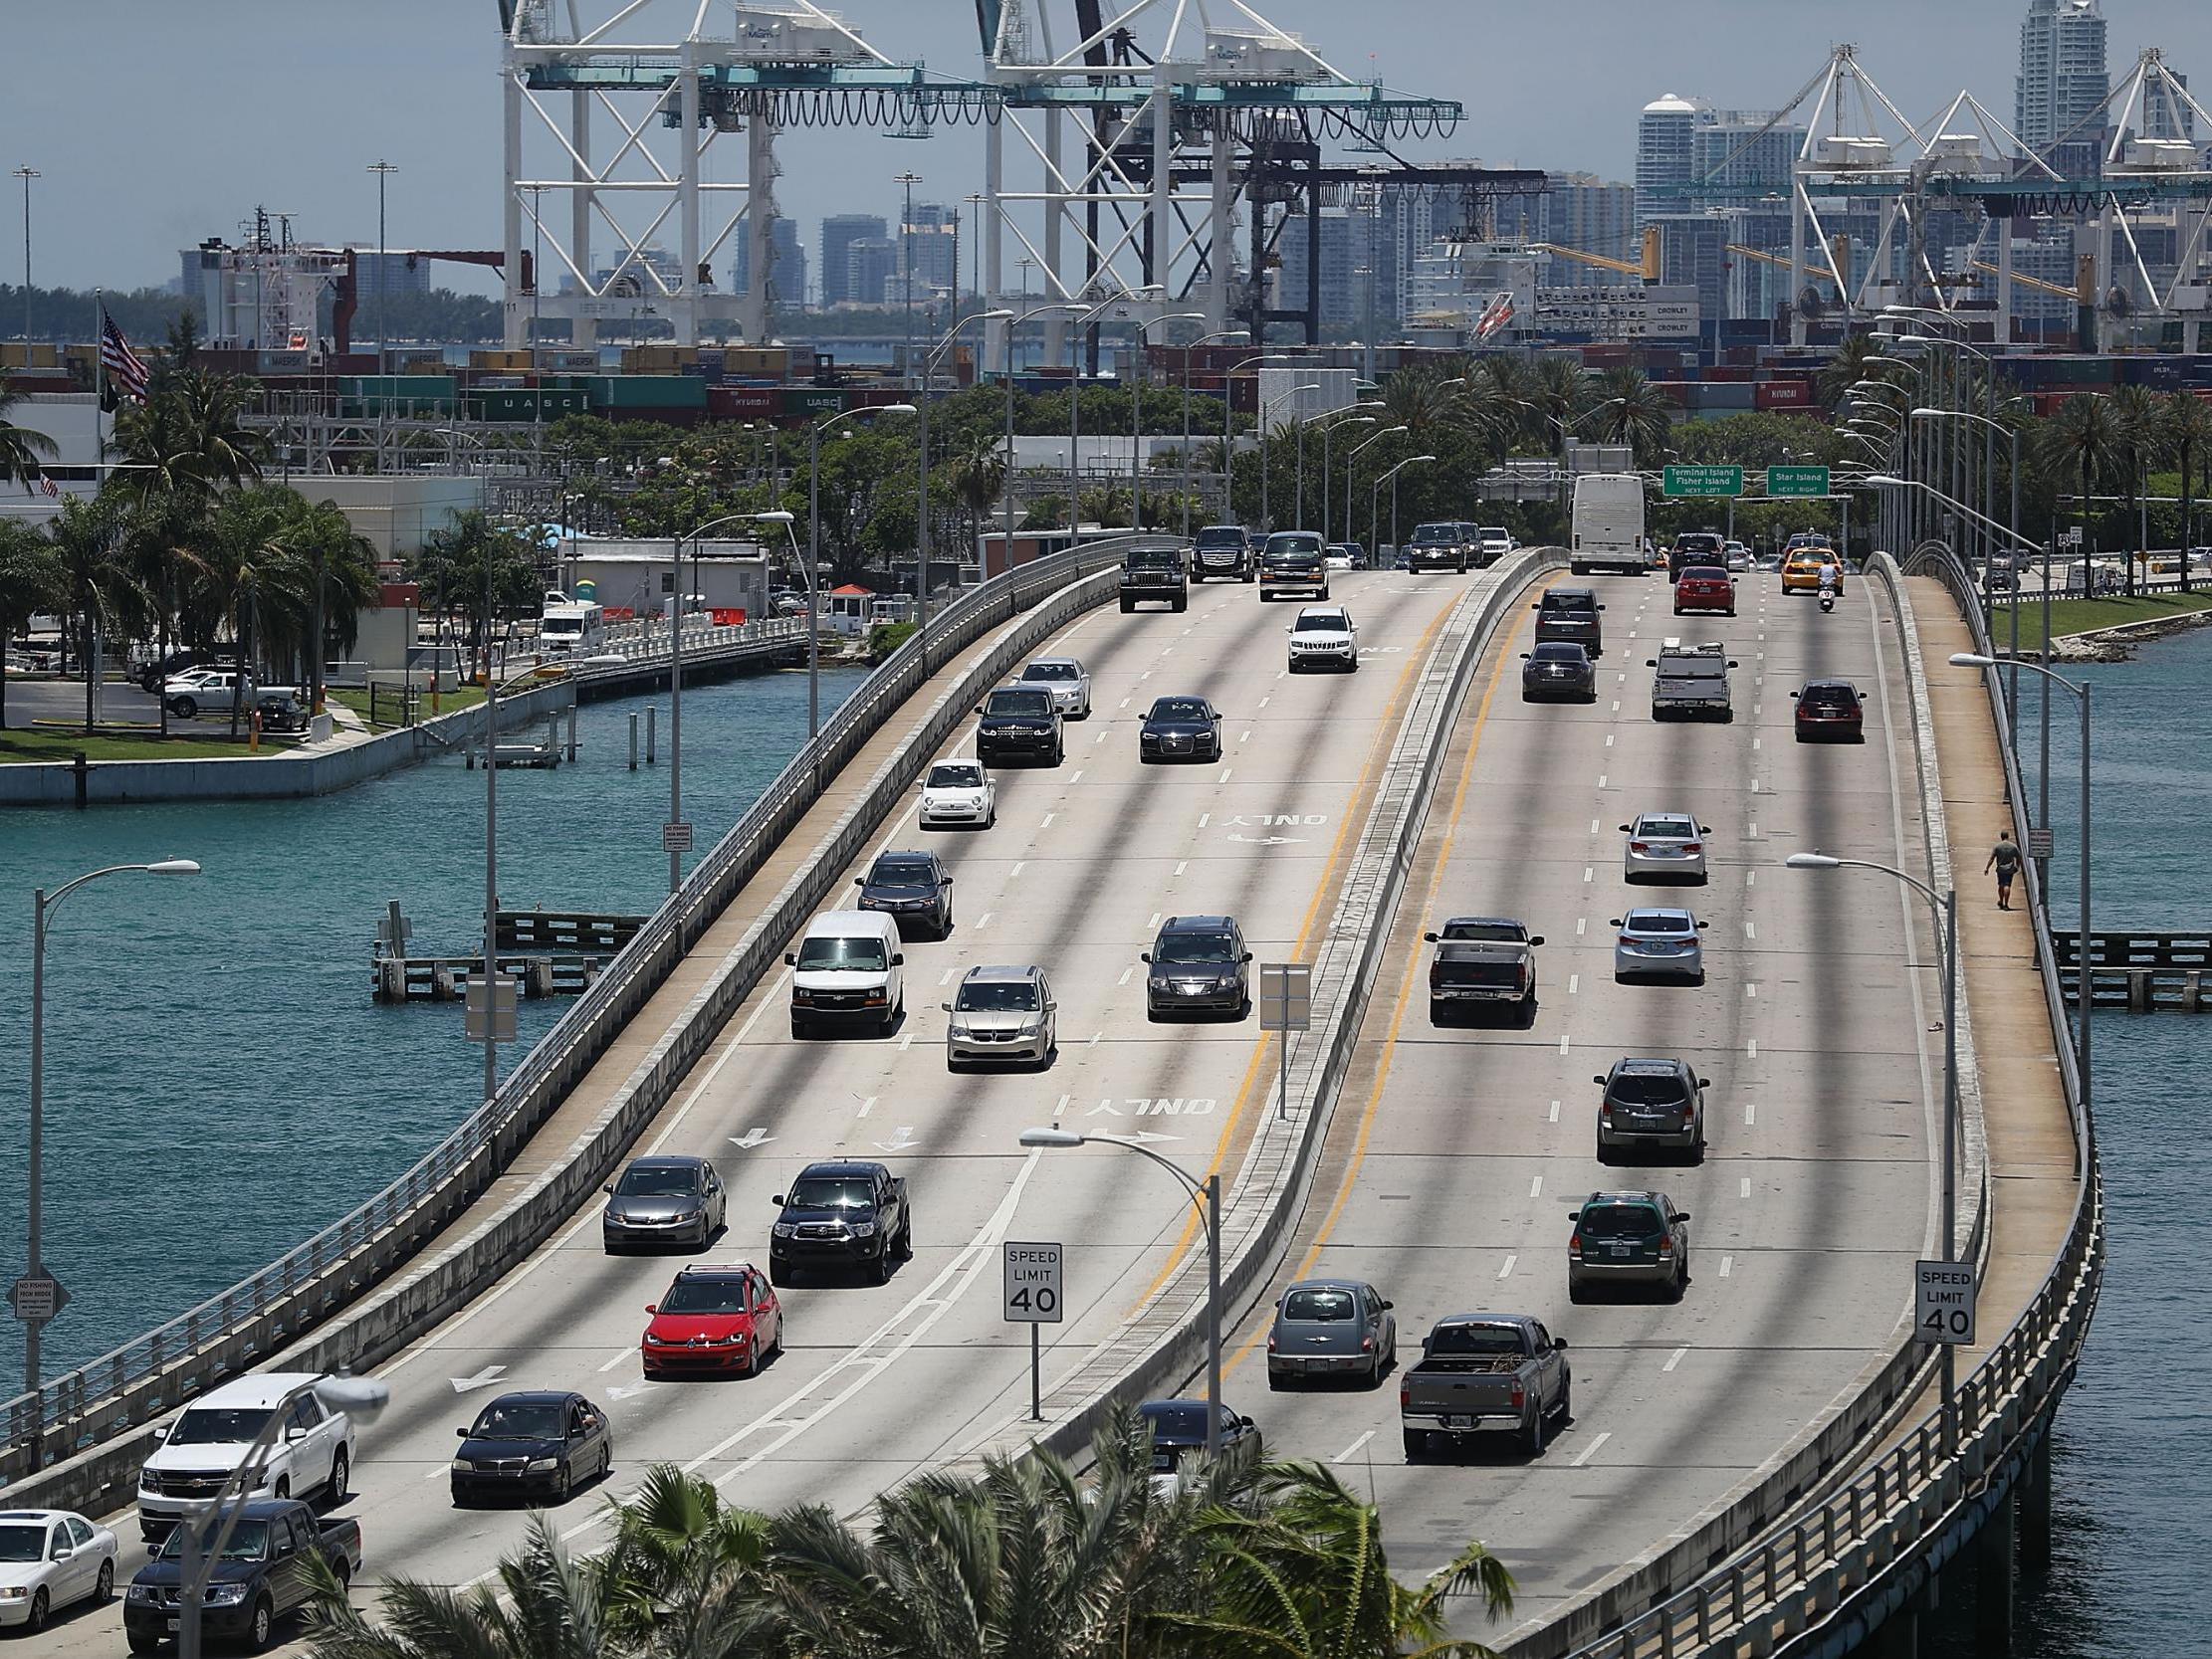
1827, 585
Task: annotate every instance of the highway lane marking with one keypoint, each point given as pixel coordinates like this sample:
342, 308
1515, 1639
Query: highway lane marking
906, 1039
1609, 739
1590, 1451
1589, 872
1727, 1265
1204, 818
1574, 981
1750, 878
1750, 990
1182, 866
1100, 738
1674, 1359
1076, 777
1146, 675
1505, 1269
1264, 701
1245, 737
1563, 1042
1754, 834
625, 1354
1019, 865
1743, 1187
1124, 703
1406, 986
1154, 922
1125, 973
1048, 817
1751, 1049
945, 978
1754, 741
1601, 781
867, 1106
1593, 824
1345, 1456
1750, 1112
1750, 930
1616, 705
984, 921
1580, 922
1553, 1119
1226, 771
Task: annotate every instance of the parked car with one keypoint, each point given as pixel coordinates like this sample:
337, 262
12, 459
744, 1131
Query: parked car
1001, 1014
1558, 672
845, 1213
153, 675
51, 1560
1628, 1238
1068, 682
1019, 723
713, 1318
1484, 1373
1830, 711
281, 712
912, 889
1180, 728
1659, 943
195, 689
664, 1199
1331, 1328
264, 1576
213, 1435
959, 792
537, 1445
1666, 846
1651, 1103
1198, 964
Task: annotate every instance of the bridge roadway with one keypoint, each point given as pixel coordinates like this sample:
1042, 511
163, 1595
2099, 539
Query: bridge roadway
1455, 1153
1447, 1175
877, 1381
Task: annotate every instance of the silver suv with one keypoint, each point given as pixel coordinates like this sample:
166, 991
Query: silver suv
1001, 1014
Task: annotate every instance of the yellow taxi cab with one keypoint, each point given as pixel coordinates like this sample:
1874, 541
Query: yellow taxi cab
1801, 570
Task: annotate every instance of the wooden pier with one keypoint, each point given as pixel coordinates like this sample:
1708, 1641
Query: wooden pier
549, 954
2143, 973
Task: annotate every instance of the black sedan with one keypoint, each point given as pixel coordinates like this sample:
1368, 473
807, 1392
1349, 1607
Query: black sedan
1180, 728
534, 1445
914, 888
1179, 1433
1558, 671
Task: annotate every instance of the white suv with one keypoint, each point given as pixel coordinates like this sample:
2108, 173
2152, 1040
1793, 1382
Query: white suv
1323, 637
312, 1450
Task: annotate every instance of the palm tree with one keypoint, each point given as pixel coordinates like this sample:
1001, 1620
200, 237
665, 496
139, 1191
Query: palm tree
1630, 410
342, 566
99, 586
977, 475
2141, 436
1420, 398
254, 573
455, 564
30, 583
1848, 367
677, 1547
2082, 437
21, 448
2188, 424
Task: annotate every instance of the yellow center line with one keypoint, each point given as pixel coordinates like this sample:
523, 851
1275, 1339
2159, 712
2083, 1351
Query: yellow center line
1405, 999
1189, 1233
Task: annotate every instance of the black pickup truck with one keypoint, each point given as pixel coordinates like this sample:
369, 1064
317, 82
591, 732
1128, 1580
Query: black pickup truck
1154, 574
1692, 683
264, 1575
845, 1214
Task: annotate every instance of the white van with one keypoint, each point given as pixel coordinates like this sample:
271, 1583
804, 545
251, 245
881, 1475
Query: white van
314, 1452
1608, 531
848, 968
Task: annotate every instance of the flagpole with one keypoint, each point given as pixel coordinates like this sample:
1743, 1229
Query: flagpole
99, 387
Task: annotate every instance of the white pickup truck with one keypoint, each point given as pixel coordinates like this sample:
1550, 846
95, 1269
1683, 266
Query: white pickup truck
311, 1451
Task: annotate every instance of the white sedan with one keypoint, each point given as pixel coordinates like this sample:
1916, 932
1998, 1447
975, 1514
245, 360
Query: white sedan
959, 792
47, 1559
1066, 679
1324, 637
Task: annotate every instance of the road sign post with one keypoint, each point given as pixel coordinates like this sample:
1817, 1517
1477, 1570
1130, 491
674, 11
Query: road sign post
1033, 1296
37, 1298
676, 837
1683, 480
1285, 1005
1943, 1302
1798, 482
2042, 843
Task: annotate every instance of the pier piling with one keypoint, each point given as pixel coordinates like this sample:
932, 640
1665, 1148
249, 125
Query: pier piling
633, 741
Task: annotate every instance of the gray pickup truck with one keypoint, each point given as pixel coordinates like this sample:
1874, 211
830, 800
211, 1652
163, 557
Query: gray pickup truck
1484, 1373
1481, 960
265, 1574
1691, 683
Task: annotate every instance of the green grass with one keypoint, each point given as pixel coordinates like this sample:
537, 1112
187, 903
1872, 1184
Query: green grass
387, 703
2080, 616
22, 748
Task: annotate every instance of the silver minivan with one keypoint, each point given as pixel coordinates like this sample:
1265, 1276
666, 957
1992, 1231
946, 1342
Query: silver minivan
848, 969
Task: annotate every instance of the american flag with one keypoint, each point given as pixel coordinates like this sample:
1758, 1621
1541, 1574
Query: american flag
48, 484
125, 370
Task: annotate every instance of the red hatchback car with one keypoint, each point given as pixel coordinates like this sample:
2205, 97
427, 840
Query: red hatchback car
1829, 711
1705, 587
714, 1319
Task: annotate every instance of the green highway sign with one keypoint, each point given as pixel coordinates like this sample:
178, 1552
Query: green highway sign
1704, 481
1797, 480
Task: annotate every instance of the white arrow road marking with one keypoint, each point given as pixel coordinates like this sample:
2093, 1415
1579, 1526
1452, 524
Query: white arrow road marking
483, 1380
900, 1141
1268, 840
755, 1136
1140, 1137
630, 1390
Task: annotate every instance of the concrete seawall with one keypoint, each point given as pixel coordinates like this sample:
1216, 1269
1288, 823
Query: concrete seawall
273, 777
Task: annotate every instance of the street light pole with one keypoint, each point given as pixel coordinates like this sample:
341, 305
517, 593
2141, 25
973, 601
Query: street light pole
1013, 327
922, 501
1354, 414
1350, 456
1075, 404
1222, 335
1135, 413
27, 174
1389, 478
43, 905
1207, 1195
1945, 907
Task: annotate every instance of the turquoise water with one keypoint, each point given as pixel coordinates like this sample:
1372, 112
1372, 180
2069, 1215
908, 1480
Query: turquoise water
218, 1084
2132, 1500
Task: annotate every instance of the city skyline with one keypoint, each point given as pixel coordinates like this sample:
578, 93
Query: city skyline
113, 206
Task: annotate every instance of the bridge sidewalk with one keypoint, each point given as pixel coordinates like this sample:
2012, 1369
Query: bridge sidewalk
2032, 1173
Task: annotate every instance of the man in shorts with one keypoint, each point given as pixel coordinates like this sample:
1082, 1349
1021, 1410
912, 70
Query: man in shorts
2004, 857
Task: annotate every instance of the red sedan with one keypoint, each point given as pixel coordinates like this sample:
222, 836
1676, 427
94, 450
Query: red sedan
1829, 711
714, 1319
1705, 587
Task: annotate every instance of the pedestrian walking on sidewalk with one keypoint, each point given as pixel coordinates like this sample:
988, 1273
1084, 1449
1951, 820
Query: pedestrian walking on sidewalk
2004, 857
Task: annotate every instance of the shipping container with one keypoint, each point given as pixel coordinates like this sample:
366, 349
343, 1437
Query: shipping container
495, 359
524, 404
742, 403
622, 394
1783, 394
811, 402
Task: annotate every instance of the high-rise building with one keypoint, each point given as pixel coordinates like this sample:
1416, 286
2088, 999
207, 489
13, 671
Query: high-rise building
839, 232
1666, 154
1740, 155
2166, 115
786, 262
1574, 210
871, 273
930, 243
2061, 73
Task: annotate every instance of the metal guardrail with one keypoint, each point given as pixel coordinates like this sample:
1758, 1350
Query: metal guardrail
1829, 1563
228, 1332
642, 646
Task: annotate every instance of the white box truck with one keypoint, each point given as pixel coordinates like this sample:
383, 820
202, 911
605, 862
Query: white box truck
1608, 529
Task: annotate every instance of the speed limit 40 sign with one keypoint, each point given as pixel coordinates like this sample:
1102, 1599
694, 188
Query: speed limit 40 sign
1943, 1302
1033, 1284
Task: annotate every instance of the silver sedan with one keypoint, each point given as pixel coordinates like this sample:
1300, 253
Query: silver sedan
1655, 943
1665, 846
1066, 679
1331, 1328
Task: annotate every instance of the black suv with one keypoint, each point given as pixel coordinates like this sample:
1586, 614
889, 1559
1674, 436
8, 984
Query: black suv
1569, 615
1696, 547
1223, 551
1651, 1103
1436, 548
912, 889
1198, 964
1018, 723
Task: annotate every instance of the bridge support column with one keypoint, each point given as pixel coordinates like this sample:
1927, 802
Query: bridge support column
1993, 1575
2033, 1501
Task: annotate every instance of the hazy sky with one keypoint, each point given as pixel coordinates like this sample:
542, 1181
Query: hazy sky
157, 124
